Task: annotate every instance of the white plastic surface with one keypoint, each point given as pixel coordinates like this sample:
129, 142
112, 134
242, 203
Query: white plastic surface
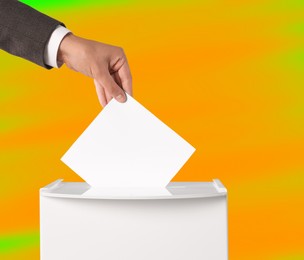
76, 226
174, 190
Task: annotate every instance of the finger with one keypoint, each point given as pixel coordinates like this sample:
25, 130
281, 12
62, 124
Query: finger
108, 96
116, 77
110, 86
100, 94
126, 78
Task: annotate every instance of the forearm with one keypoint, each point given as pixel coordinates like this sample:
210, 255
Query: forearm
24, 32
29, 34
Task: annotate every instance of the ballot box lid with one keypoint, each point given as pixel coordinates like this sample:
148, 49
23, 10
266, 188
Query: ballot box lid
174, 190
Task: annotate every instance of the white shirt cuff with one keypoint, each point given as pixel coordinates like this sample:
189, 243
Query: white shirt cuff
52, 46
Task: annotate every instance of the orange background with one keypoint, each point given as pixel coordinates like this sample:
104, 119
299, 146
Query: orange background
226, 75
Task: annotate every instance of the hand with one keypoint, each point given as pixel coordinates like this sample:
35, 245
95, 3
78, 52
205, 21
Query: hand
106, 64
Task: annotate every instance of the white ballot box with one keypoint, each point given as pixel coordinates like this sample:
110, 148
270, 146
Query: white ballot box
184, 221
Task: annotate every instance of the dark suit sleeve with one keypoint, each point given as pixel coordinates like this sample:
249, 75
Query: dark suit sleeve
24, 32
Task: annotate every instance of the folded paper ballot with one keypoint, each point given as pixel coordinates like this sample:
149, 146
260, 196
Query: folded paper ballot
127, 146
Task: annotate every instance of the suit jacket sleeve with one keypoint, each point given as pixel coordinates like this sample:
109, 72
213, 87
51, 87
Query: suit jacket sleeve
24, 32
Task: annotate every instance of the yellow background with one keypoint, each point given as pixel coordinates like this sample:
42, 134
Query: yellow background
226, 75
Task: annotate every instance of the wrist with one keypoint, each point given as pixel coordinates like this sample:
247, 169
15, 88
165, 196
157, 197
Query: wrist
64, 48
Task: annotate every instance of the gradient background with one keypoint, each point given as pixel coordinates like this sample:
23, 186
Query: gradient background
225, 75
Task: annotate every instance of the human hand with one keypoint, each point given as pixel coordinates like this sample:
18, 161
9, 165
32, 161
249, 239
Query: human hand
106, 64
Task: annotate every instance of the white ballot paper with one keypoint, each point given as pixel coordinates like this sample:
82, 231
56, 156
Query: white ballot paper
127, 146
